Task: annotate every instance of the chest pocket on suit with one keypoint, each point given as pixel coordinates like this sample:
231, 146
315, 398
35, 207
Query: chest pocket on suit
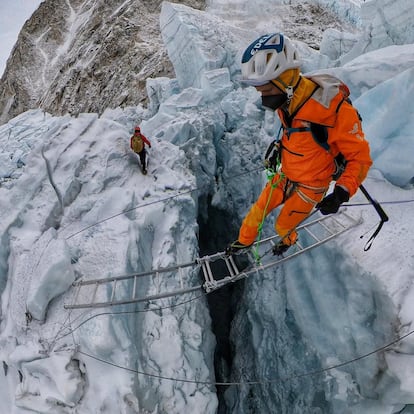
296, 146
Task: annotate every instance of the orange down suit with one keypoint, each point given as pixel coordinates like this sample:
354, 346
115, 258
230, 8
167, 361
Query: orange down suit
307, 167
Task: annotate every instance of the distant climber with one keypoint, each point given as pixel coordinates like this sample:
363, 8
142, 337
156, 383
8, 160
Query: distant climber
308, 107
138, 141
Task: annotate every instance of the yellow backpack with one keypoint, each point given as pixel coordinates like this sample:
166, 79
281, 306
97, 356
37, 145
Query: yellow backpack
137, 143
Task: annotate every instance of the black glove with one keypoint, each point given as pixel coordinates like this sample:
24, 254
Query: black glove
235, 247
330, 204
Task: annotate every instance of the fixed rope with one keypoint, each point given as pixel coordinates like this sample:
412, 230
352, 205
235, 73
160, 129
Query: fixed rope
262, 381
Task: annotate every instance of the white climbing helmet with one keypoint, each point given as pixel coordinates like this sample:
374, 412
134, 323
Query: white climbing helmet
267, 57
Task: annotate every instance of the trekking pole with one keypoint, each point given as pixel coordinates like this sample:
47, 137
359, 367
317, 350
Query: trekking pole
383, 216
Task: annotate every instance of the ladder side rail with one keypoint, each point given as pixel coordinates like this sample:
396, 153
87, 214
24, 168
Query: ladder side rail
132, 275
319, 220
316, 244
137, 300
211, 257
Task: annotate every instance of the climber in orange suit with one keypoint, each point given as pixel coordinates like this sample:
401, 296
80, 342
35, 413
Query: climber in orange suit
306, 167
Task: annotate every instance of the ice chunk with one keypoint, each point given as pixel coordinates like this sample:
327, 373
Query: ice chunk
49, 383
336, 43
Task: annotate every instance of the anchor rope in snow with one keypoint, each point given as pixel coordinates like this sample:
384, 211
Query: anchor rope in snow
160, 308
180, 193
255, 382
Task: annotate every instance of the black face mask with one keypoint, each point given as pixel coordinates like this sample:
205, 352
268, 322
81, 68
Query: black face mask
274, 102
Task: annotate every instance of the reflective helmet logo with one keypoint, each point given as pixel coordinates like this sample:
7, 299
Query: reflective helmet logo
260, 44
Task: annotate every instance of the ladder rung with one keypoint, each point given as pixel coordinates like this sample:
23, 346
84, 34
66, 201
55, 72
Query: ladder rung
134, 288
299, 245
338, 222
77, 294
326, 228
210, 274
157, 282
113, 290
229, 266
180, 273
94, 292
313, 235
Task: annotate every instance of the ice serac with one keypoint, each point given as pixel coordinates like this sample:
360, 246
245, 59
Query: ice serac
335, 43
391, 129
384, 23
380, 64
198, 42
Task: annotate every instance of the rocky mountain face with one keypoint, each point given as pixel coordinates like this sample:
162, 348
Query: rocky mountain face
75, 56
